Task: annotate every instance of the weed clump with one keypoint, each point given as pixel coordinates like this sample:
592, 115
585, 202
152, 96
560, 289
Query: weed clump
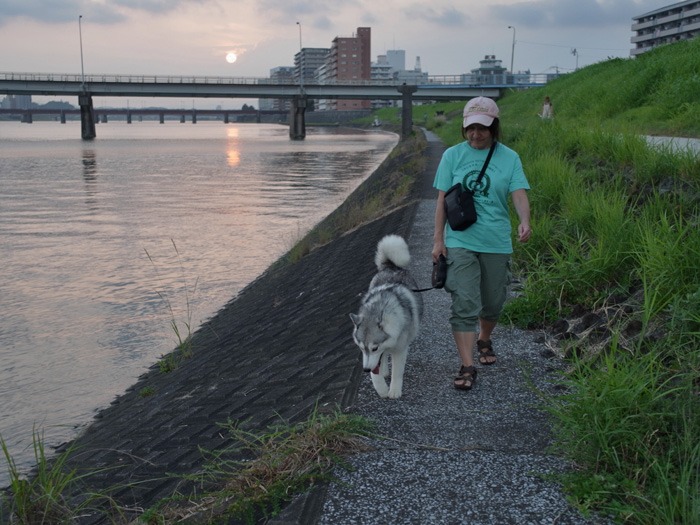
260, 472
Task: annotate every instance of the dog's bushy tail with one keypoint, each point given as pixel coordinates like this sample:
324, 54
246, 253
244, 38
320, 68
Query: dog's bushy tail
392, 250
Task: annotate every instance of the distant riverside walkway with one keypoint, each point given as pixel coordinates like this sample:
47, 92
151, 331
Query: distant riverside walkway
284, 345
675, 143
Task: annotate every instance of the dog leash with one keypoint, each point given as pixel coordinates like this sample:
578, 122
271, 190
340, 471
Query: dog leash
439, 275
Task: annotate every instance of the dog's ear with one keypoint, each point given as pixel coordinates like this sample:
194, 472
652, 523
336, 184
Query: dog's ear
356, 319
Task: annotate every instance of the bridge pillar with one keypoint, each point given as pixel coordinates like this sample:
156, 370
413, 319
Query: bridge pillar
297, 123
406, 110
27, 117
258, 117
63, 117
226, 117
87, 117
128, 117
194, 117
104, 118
162, 118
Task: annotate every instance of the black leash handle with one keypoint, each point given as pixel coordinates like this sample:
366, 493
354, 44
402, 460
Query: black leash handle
439, 275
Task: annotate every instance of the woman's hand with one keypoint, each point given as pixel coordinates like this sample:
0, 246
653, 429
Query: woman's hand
524, 232
522, 208
438, 250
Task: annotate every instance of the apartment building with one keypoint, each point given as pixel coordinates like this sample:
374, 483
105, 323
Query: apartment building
350, 59
680, 21
282, 75
307, 61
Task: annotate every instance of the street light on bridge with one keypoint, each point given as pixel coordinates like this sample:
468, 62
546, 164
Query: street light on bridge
301, 61
512, 50
82, 67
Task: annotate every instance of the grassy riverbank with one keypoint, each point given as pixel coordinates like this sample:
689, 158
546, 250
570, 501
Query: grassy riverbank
612, 273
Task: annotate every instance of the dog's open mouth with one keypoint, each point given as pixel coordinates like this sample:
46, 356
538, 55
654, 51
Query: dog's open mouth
375, 370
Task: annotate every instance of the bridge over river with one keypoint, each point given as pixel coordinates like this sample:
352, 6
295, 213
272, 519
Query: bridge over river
128, 114
85, 87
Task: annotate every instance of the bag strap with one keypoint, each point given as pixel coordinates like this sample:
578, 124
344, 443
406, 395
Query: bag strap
486, 163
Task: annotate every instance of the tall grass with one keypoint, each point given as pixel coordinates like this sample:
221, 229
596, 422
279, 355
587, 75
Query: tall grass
181, 328
47, 495
616, 222
631, 426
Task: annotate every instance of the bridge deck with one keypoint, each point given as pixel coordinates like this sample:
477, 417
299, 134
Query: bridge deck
457, 87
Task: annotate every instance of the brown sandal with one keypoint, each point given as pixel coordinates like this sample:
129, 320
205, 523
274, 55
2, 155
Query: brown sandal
486, 352
466, 378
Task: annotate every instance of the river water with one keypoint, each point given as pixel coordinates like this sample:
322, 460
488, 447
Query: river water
104, 245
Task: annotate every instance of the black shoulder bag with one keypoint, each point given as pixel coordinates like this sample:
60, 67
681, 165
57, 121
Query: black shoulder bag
459, 201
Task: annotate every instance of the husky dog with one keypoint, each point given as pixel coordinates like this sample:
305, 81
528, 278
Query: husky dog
389, 317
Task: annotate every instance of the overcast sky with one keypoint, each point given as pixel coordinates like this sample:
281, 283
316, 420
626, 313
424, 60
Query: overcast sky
193, 37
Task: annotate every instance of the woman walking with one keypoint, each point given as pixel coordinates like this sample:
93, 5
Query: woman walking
478, 258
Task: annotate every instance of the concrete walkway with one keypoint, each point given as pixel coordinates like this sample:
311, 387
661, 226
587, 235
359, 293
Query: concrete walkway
675, 144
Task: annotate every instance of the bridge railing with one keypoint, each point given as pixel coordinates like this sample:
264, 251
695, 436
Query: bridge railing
169, 79
505, 79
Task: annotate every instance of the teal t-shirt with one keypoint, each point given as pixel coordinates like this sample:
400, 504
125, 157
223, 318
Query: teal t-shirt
461, 163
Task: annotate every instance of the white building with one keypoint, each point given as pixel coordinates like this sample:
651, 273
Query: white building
396, 58
680, 21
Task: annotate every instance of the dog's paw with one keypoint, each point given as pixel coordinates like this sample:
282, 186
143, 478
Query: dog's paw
382, 389
394, 394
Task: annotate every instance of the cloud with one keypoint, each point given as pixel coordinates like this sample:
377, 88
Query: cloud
445, 17
282, 11
62, 11
52, 12
322, 22
156, 6
554, 14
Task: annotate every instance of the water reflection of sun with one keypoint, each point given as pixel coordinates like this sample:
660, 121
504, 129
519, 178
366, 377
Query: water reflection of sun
233, 154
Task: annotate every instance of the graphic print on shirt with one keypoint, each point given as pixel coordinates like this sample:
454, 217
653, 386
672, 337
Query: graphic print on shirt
469, 182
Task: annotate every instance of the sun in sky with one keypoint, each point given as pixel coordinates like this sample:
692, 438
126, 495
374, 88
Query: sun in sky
231, 57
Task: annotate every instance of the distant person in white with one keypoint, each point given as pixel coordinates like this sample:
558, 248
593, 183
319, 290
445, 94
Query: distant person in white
547, 109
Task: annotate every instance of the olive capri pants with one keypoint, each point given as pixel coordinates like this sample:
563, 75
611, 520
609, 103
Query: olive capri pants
478, 283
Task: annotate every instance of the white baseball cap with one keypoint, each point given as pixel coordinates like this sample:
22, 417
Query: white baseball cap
480, 110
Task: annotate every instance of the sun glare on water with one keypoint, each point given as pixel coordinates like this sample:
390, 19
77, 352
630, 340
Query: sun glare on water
231, 57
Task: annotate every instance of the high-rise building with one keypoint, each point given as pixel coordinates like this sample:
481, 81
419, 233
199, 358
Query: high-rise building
350, 60
680, 21
381, 69
17, 102
281, 75
307, 61
397, 59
